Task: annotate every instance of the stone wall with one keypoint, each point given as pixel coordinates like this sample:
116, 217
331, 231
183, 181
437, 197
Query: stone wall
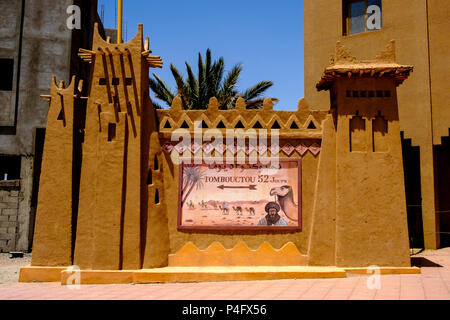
10, 196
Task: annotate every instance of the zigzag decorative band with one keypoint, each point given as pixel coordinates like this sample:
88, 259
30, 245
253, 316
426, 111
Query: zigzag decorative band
208, 147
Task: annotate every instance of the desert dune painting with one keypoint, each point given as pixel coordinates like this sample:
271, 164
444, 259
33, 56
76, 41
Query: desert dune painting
254, 196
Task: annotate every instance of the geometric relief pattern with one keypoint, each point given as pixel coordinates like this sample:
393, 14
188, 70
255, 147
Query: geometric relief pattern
301, 120
169, 124
288, 149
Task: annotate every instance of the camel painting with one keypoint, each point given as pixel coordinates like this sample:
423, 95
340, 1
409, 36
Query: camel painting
251, 211
235, 196
190, 205
238, 210
285, 198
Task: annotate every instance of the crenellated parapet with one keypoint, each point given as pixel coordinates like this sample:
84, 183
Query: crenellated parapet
300, 123
297, 131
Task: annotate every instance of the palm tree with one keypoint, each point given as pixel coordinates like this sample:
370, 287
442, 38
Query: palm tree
195, 92
193, 177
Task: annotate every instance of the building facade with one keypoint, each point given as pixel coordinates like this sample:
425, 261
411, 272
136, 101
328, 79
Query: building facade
35, 43
420, 29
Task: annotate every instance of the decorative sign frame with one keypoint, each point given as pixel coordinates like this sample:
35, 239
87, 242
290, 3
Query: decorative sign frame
208, 196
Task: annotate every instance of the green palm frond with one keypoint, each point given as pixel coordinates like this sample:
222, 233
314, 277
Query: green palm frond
195, 91
161, 90
208, 74
257, 90
178, 78
192, 86
227, 88
217, 71
202, 89
182, 91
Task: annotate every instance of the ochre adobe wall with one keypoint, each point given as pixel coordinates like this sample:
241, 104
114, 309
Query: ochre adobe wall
353, 208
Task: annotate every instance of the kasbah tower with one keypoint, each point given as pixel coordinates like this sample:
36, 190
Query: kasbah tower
420, 29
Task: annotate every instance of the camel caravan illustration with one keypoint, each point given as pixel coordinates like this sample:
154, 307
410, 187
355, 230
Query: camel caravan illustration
238, 210
251, 211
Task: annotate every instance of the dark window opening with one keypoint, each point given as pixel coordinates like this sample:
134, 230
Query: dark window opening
128, 81
184, 125
387, 94
361, 16
10, 167
362, 94
294, 125
358, 141
115, 81
7, 74
157, 196
379, 94
61, 114
355, 94
102, 81
371, 94
111, 131
379, 134
348, 94
156, 163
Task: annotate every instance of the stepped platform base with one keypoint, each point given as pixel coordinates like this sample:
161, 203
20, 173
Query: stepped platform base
195, 274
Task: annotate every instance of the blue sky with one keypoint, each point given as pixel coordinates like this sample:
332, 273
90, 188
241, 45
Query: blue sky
266, 37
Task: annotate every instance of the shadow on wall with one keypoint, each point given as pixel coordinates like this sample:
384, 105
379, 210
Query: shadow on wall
411, 167
442, 183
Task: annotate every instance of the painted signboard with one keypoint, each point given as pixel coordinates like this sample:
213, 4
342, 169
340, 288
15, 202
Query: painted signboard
240, 196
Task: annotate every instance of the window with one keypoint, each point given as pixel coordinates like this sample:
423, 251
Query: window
10, 167
6, 74
361, 16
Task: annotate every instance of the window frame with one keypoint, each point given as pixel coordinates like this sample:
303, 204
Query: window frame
346, 16
10, 82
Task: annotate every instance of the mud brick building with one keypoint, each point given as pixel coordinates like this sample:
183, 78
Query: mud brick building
115, 217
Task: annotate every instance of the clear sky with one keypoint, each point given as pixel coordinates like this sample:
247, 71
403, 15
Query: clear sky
266, 37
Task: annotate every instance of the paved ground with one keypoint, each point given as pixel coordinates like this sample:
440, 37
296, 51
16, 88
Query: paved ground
433, 283
9, 268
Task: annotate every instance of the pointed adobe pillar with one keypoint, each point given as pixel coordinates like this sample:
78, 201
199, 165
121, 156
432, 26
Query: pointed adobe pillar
52, 244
